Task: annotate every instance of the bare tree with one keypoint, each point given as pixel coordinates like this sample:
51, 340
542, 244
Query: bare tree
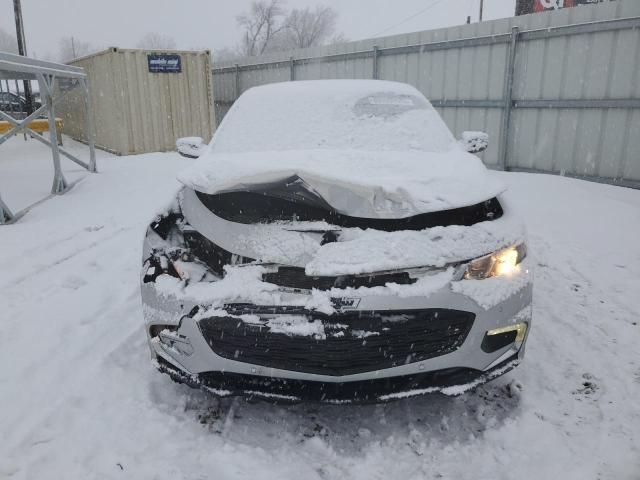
8, 42
157, 41
262, 24
269, 27
309, 28
70, 48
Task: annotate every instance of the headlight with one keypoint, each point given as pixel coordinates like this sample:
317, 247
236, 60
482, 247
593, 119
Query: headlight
501, 263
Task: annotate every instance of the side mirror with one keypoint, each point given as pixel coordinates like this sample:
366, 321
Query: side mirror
474, 142
190, 147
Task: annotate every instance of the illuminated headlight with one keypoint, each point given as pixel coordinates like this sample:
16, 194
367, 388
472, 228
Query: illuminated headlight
501, 263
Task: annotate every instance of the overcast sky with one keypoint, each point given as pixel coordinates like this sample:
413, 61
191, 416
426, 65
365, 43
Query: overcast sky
211, 23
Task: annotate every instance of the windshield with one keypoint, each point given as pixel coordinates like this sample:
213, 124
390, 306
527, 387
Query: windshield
341, 114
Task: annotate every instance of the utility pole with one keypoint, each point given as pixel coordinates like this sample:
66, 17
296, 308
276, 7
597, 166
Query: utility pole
22, 50
481, 9
73, 48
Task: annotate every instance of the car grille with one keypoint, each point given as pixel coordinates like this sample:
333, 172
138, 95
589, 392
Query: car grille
340, 344
294, 277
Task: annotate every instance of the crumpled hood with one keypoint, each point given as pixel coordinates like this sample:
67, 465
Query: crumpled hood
383, 184
357, 251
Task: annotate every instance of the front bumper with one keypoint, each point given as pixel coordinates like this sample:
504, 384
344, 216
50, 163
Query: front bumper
452, 372
452, 381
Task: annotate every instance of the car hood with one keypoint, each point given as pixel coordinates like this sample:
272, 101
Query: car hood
371, 184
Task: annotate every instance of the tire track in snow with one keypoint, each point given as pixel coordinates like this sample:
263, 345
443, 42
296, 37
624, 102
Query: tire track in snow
97, 351
15, 282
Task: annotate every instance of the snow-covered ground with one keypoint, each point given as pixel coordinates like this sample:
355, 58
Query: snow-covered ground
28, 179
79, 398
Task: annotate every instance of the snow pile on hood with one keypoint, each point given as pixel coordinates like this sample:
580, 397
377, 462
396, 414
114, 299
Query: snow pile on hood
369, 148
367, 251
357, 251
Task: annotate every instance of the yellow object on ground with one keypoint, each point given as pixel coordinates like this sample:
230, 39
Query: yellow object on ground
38, 125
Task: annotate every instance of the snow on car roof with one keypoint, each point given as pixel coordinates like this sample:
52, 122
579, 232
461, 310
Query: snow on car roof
371, 148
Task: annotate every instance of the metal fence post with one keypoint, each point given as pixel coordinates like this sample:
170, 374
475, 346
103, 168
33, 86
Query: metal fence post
507, 99
237, 80
88, 126
375, 62
5, 214
292, 69
47, 84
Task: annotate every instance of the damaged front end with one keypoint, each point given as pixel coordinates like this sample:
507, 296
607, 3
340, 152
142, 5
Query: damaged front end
269, 292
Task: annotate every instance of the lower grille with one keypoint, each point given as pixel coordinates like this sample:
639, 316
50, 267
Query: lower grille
340, 344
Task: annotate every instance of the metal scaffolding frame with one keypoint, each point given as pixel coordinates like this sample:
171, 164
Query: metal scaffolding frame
55, 81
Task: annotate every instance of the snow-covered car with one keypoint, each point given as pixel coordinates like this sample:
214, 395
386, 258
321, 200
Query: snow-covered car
334, 242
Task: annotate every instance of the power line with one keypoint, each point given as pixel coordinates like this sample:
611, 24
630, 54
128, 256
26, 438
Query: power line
408, 18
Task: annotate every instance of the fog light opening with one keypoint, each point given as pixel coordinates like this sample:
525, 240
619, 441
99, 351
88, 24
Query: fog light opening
501, 337
170, 340
154, 330
519, 328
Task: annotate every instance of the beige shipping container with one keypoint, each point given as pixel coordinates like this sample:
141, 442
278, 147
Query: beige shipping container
136, 110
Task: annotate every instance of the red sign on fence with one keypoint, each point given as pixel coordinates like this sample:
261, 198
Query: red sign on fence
533, 6
542, 5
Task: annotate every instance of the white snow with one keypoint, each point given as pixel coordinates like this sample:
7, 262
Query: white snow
241, 284
79, 397
474, 141
297, 326
191, 146
244, 284
491, 291
23, 183
453, 391
291, 325
374, 250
